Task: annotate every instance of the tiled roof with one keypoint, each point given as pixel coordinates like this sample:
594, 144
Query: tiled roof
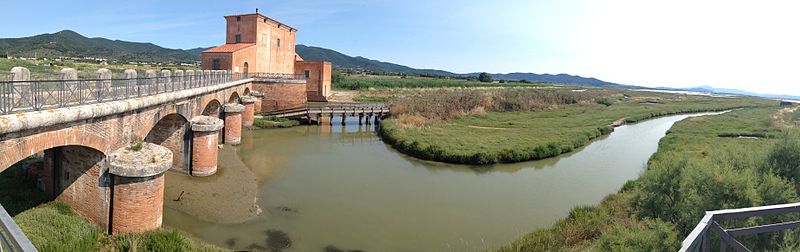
227, 48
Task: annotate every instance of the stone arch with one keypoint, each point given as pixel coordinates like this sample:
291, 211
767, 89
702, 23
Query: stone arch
212, 108
17, 150
234, 98
246, 91
173, 132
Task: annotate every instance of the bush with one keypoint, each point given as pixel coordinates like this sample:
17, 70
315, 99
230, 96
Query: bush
650, 235
604, 101
274, 122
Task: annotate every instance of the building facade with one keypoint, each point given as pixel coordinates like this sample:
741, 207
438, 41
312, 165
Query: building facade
255, 43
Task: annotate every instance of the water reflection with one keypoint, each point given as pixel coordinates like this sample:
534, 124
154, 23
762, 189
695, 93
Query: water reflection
334, 186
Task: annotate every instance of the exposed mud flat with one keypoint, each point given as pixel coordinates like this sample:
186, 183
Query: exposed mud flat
227, 197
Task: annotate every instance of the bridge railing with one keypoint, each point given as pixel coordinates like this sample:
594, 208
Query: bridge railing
280, 76
700, 238
11, 237
35, 95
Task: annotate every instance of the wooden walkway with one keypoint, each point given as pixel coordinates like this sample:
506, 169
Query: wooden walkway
369, 111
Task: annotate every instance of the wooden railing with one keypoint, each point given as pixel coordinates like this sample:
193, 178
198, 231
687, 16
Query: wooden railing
700, 240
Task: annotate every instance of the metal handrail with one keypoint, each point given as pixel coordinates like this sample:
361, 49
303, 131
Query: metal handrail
699, 240
36, 95
11, 236
282, 76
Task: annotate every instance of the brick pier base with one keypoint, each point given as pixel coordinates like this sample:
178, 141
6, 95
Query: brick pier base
233, 123
204, 145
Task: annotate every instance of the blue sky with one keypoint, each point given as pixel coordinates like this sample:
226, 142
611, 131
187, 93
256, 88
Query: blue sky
750, 45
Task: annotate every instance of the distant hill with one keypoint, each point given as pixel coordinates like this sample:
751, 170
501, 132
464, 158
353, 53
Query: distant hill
710, 89
345, 62
71, 44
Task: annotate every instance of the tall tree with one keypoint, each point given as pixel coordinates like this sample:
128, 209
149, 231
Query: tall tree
485, 77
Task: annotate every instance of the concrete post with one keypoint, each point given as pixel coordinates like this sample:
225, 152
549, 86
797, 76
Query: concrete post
137, 188
258, 96
233, 123
131, 86
205, 133
207, 76
190, 78
103, 88
248, 116
167, 76
69, 77
152, 82
179, 79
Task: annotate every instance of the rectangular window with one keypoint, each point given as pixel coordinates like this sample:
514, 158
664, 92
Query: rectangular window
238, 38
279, 43
215, 64
238, 19
308, 74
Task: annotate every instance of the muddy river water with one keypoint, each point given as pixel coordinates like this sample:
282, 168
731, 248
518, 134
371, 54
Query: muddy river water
312, 188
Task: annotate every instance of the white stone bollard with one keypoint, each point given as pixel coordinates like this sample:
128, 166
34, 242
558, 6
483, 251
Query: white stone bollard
103, 89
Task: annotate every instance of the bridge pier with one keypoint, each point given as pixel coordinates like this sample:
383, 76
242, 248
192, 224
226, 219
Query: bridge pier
233, 123
205, 131
360, 118
369, 116
258, 96
344, 118
248, 114
330, 119
137, 188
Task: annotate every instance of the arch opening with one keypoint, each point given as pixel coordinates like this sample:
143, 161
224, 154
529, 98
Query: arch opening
214, 109
173, 132
234, 98
72, 174
246, 91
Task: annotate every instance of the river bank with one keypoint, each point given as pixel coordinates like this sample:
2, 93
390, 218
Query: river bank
695, 169
519, 135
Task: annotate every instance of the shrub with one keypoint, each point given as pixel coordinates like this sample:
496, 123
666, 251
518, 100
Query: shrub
650, 235
274, 122
604, 101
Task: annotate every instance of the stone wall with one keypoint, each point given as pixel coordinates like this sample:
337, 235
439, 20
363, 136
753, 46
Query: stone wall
281, 96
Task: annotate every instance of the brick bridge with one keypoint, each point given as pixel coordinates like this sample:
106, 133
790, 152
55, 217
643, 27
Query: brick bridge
102, 140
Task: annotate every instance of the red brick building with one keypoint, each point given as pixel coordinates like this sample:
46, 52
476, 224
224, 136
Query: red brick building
255, 43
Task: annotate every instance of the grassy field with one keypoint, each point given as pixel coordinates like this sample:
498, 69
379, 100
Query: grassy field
694, 170
475, 134
53, 226
359, 82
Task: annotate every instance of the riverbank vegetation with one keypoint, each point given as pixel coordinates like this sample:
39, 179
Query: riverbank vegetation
362, 82
694, 170
54, 226
485, 126
274, 122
